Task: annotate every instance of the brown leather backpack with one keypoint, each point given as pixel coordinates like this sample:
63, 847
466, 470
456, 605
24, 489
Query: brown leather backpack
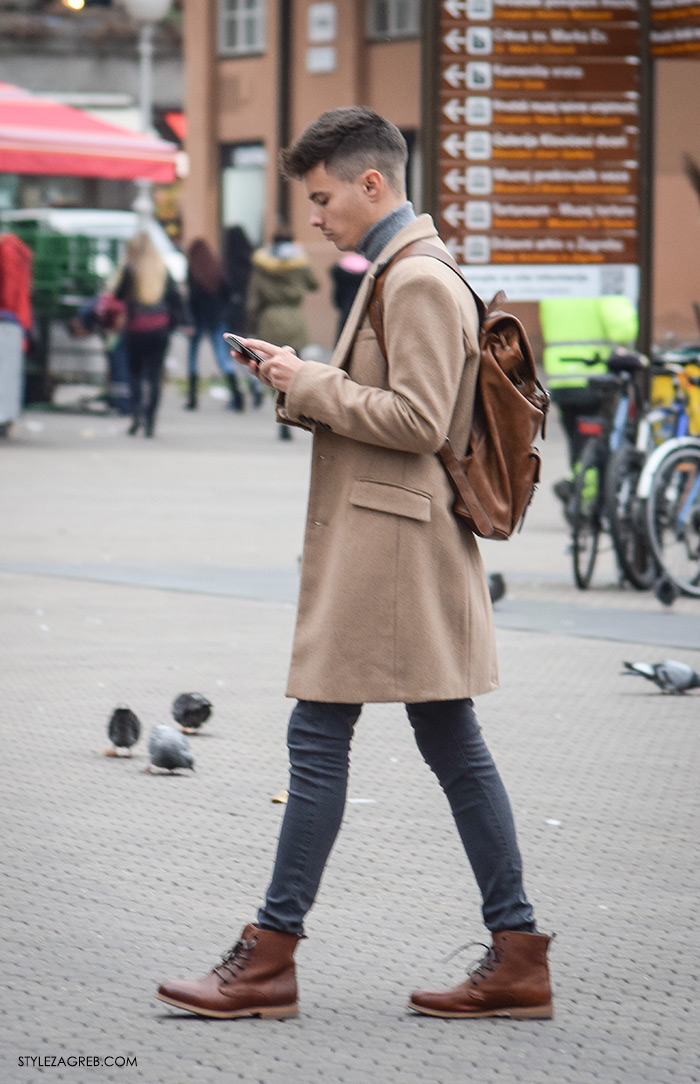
495, 478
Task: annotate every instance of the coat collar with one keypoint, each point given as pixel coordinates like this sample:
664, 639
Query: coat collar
421, 229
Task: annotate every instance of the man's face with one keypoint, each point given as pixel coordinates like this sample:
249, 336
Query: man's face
342, 210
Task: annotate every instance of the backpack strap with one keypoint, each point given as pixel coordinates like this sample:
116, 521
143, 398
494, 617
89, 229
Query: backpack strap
375, 313
418, 248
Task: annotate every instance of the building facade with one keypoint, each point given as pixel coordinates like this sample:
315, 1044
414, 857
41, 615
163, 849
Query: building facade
256, 72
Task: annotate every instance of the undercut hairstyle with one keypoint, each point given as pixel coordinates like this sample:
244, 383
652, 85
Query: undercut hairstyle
347, 142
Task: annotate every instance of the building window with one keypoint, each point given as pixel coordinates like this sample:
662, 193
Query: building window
243, 176
241, 27
392, 19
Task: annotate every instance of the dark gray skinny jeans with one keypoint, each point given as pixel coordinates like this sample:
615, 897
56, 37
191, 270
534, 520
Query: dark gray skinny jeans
450, 740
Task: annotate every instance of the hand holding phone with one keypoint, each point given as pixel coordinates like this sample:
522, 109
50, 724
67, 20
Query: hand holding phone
240, 348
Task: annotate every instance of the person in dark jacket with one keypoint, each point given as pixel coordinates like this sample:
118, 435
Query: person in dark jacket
237, 263
153, 309
238, 252
208, 298
346, 275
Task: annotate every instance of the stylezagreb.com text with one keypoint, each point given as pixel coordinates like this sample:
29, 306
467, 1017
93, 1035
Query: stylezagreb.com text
86, 1061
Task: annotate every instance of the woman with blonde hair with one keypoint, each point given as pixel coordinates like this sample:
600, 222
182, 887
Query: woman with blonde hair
153, 309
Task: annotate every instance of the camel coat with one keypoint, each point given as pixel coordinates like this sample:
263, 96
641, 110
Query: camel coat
394, 603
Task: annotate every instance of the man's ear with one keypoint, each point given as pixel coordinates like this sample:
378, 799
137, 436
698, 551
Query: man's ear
373, 184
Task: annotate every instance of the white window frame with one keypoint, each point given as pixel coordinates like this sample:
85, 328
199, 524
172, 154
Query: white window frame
236, 17
394, 29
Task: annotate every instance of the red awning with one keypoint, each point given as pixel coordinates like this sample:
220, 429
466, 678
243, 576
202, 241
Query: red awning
38, 135
177, 122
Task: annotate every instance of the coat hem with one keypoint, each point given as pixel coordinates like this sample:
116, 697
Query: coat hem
414, 696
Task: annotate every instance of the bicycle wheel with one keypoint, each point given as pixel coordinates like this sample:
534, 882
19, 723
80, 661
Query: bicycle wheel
622, 507
673, 516
584, 514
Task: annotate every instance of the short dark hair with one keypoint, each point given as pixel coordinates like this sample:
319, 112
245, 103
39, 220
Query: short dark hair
348, 141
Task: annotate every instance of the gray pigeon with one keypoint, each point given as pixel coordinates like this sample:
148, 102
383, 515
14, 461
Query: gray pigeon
497, 586
168, 749
671, 676
123, 730
190, 710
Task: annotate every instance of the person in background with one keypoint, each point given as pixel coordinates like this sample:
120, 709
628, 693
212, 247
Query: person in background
585, 328
279, 279
238, 252
154, 308
346, 276
237, 256
106, 316
208, 294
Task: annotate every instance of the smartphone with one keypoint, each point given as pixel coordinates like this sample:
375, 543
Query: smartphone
241, 349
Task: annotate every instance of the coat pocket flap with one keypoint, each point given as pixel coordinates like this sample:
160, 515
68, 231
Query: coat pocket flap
386, 497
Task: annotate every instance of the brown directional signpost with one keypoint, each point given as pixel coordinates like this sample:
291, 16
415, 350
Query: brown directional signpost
675, 29
537, 108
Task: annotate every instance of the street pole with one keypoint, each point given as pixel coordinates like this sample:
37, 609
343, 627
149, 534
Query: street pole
147, 13
143, 204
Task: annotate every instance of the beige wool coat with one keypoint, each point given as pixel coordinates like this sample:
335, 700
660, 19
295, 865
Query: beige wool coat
393, 603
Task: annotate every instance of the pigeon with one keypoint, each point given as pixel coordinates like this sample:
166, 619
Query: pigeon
190, 710
671, 676
497, 586
124, 730
168, 749
666, 591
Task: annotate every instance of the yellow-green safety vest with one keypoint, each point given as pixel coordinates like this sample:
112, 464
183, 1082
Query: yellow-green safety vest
583, 327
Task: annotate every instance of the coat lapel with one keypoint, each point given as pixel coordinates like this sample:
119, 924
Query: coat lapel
422, 229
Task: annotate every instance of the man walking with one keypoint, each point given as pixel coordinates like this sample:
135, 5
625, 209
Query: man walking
393, 604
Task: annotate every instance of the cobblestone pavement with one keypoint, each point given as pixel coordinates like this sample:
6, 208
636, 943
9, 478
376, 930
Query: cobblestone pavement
133, 570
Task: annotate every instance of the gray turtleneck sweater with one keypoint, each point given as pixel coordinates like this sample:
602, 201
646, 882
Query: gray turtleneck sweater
379, 234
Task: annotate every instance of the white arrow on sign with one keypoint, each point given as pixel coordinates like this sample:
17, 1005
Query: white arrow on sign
455, 248
454, 40
455, 8
454, 145
455, 180
455, 75
453, 214
453, 110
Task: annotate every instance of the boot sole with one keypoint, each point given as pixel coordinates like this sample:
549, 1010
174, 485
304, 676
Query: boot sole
269, 1012
525, 1012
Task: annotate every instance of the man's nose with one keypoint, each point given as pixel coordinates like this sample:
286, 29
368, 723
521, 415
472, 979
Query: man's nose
316, 218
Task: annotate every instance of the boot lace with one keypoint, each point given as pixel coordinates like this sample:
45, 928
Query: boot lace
234, 960
478, 969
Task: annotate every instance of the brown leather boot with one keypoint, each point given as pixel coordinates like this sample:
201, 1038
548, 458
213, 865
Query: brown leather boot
511, 980
255, 978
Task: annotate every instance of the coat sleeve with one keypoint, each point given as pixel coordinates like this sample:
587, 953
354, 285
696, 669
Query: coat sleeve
427, 345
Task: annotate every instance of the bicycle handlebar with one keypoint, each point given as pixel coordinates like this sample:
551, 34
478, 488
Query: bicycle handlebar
675, 368
624, 362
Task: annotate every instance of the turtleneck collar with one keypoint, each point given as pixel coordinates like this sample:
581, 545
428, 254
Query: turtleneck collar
380, 233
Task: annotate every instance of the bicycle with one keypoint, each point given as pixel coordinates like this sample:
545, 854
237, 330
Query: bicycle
654, 425
606, 474
668, 493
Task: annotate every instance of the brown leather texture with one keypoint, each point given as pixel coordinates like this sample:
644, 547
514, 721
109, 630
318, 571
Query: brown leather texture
256, 978
495, 479
512, 980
